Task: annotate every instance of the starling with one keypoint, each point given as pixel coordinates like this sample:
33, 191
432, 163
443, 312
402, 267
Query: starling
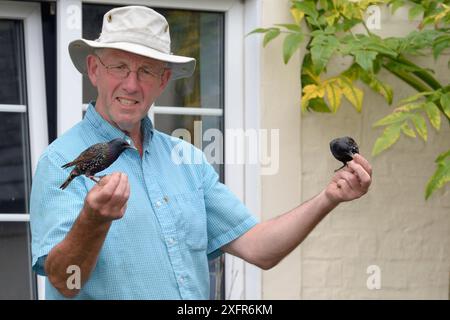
343, 149
94, 159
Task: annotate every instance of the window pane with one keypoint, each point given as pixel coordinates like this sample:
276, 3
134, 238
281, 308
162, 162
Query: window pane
194, 33
14, 163
11, 63
198, 35
16, 278
205, 132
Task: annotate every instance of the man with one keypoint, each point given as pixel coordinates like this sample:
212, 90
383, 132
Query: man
147, 229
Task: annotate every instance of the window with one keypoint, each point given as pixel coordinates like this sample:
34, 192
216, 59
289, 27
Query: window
22, 107
193, 104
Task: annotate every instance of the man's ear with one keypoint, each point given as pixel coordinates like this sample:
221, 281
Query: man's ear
165, 79
92, 69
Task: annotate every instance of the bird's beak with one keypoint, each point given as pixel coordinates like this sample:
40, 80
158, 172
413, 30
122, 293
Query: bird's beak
131, 147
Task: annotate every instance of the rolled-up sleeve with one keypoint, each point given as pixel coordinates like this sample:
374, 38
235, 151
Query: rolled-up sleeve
52, 210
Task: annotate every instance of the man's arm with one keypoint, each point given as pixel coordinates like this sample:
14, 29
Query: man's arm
267, 243
104, 203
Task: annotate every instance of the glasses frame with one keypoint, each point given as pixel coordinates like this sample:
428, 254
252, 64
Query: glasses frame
152, 74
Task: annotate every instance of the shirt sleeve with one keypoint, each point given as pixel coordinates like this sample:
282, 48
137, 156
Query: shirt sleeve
52, 210
227, 217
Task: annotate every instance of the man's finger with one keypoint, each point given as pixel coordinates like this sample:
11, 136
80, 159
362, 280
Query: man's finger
362, 174
106, 191
351, 179
363, 162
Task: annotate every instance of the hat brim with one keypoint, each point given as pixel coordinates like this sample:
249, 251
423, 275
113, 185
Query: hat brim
181, 66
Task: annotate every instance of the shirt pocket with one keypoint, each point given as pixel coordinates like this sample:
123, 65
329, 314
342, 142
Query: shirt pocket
192, 216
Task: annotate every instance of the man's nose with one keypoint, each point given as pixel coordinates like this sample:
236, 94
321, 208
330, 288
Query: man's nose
131, 82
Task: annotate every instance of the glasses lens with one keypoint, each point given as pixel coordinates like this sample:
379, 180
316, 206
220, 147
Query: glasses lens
119, 71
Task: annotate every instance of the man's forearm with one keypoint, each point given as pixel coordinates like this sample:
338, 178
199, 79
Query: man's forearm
269, 242
80, 248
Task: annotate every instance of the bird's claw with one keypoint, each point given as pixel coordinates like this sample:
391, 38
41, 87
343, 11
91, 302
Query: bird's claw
93, 178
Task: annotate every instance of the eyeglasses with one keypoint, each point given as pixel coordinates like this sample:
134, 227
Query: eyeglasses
121, 71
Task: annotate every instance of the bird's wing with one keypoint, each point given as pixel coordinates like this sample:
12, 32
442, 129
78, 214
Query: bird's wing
86, 155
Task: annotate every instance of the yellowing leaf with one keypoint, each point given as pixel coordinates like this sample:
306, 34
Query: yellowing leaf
353, 94
433, 114
420, 124
332, 17
408, 107
407, 130
313, 91
334, 95
297, 14
387, 139
440, 177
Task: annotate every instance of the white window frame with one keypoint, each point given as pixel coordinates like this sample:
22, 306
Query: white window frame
30, 14
242, 82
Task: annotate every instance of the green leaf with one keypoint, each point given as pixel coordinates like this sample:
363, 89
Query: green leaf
392, 118
321, 51
318, 105
270, 35
440, 177
443, 156
290, 45
445, 103
365, 59
292, 27
420, 124
415, 97
433, 114
440, 44
416, 10
407, 130
259, 30
390, 136
308, 7
397, 4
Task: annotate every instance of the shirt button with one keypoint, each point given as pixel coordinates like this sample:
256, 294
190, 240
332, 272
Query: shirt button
158, 204
171, 241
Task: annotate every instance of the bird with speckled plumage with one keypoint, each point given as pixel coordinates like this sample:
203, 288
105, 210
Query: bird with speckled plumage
94, 159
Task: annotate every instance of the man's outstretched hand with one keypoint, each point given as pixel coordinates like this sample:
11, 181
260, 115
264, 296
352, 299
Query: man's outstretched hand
351, 182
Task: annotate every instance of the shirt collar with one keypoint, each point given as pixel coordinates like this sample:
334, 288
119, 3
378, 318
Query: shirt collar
109, 132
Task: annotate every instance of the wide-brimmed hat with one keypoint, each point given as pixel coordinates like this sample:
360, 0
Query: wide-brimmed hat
134, 29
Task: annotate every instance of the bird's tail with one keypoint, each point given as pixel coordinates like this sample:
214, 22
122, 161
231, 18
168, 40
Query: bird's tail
67, 165
72, 175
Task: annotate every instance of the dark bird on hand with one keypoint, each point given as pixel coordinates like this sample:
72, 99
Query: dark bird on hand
94, 159
343, 149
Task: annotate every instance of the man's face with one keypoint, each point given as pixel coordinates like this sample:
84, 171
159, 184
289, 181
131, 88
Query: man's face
124, 102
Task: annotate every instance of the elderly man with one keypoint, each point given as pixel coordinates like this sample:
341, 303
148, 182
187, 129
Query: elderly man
148, 228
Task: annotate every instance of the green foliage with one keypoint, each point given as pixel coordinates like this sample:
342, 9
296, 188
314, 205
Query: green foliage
329, 27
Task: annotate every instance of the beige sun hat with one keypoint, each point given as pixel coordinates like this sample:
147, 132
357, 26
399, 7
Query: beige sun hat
134, 29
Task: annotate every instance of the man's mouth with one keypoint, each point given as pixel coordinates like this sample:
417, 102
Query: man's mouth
126, 102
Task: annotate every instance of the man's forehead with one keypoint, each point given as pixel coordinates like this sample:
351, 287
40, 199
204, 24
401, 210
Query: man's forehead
128, 56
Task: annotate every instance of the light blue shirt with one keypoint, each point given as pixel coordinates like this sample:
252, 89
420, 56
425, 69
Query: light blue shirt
178, 215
